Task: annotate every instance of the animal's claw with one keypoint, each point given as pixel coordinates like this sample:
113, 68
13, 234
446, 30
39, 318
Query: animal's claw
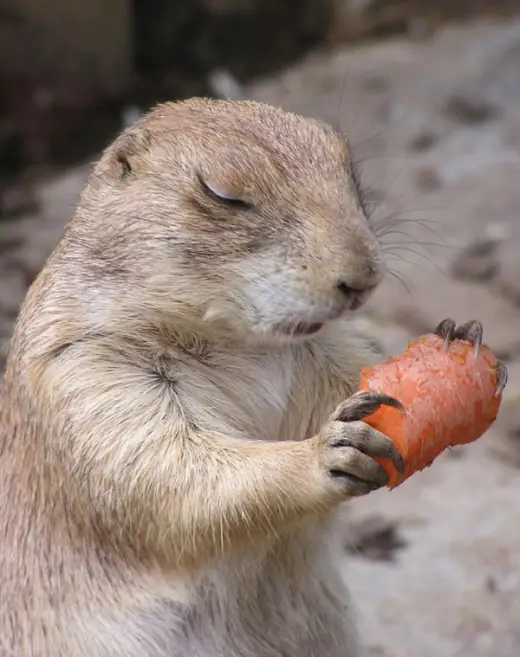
471, 331
502, 376
446, 330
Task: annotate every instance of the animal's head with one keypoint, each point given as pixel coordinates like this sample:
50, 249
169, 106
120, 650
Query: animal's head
232, 213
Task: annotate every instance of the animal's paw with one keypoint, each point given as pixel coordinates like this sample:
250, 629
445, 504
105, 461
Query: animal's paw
348, 445
472, 332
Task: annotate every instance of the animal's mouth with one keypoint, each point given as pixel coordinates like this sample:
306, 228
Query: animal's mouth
308, 326
357, 300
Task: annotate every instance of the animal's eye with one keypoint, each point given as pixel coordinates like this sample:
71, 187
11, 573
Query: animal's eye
222, 195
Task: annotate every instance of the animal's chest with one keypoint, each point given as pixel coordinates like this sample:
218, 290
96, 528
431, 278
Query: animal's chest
245, 396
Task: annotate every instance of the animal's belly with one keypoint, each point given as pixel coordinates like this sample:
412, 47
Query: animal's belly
289, 602
292, 604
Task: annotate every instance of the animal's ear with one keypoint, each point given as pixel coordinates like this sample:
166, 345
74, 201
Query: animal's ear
130, 149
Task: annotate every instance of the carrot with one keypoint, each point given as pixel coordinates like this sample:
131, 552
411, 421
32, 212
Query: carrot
451, 390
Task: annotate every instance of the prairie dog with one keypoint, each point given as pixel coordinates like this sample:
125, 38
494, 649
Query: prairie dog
177, 422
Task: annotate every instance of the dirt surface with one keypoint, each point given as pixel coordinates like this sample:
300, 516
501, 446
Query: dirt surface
434, 565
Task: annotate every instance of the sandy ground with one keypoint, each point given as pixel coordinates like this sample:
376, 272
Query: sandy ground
435, 565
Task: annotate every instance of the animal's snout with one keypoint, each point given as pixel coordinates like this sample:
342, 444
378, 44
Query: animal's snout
363, 278
360, 272
345, 288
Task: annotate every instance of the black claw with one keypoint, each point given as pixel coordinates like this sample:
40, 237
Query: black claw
366, 403
472, 332
381, 399
502, 376
446, 330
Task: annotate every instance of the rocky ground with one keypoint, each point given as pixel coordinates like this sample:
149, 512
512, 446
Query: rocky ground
435, 564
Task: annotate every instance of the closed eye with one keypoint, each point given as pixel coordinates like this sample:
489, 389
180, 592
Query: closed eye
222, 196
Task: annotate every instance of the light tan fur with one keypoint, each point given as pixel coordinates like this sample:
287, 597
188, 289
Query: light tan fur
167, 443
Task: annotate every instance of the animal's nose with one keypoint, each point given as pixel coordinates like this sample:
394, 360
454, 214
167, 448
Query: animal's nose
359, 264
361, 283
354, 293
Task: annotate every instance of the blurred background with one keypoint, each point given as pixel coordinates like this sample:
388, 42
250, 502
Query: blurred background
429, 96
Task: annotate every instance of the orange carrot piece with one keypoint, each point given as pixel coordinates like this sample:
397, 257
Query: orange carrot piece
448, 394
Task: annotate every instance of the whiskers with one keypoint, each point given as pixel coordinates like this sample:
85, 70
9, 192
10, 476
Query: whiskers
401, 245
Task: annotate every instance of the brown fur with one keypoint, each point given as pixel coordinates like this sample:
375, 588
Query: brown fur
167, 445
